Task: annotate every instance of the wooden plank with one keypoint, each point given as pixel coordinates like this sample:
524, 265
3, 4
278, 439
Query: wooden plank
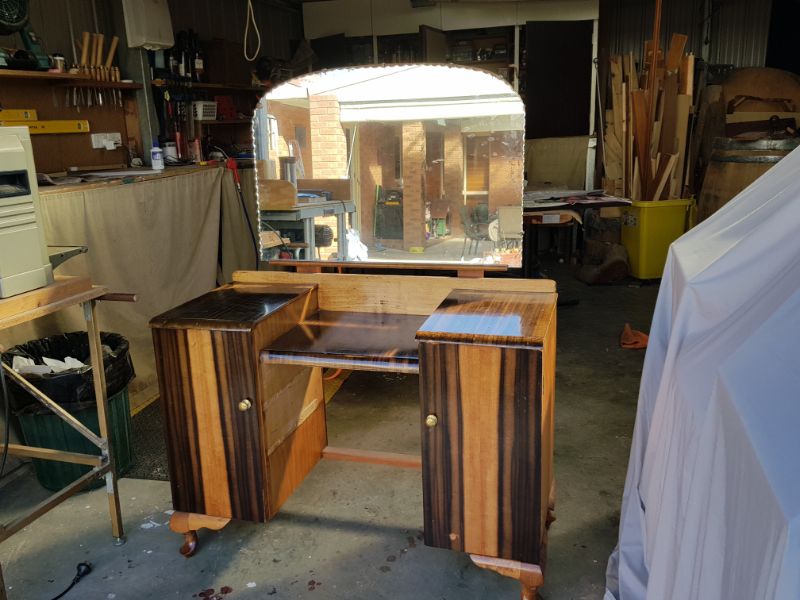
62, 288
276, 194
396, 265
683, 111
388, 459
668, 142
687, 75
57, 455
388, 293
675, 52
641, 124
45, 301
663, 175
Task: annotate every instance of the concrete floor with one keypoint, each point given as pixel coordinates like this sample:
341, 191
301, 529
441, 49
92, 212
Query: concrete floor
354, 531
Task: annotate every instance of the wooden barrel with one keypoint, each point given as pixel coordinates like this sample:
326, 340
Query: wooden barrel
734, 165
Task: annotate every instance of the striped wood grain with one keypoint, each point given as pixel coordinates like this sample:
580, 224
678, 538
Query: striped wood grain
482, 462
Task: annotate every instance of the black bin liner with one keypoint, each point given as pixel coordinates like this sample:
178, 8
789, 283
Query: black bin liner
74, 389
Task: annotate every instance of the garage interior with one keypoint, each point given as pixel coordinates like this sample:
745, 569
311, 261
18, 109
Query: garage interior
398, 299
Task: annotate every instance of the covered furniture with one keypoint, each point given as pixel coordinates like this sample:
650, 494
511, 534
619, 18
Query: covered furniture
712, 499
241, 382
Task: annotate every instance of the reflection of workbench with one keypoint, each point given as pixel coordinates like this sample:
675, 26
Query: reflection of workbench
306, 213
241, 382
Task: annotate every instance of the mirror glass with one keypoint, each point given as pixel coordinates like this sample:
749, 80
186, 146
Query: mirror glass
420, 163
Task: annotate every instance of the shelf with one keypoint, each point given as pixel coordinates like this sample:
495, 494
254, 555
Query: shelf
161, 83
479, 63
92, 83
39, 75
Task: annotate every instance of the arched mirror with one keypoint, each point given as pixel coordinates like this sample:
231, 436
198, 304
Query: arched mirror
420, 163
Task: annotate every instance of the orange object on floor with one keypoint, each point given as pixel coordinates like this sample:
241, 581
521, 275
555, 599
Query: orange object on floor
632, 339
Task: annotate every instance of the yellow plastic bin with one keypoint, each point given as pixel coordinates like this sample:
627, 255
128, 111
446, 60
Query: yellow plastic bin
648, 229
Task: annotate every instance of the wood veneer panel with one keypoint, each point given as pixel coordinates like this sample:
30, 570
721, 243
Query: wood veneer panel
482, 462
515, 318
183, 452
350, 340
388, 293
213, 448
294, 458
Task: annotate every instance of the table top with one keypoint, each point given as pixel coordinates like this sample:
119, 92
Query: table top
308, 210
63, 293
505, 318
342, 337
230, 308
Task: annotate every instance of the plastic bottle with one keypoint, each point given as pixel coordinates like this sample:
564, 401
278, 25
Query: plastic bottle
156, 156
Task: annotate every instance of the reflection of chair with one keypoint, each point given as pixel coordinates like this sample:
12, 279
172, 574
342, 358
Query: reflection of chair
510, 218
440, 214
473, 231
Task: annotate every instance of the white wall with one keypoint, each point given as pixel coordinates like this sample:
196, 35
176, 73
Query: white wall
385, 17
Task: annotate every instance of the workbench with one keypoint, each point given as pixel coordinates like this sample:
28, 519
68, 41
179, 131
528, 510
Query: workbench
65, 292
240, 373
306, 212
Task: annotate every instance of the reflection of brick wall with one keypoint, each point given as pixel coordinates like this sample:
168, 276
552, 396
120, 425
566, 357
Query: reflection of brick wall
328, 142
413, 182
454, 175
506, 169
289, 119
370, 175
505, 182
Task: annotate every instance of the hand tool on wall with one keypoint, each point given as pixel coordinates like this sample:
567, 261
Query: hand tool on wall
112, 73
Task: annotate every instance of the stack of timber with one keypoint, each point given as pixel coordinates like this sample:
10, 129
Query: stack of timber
647, 125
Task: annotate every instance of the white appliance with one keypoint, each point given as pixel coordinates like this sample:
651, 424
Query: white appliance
24, 262
148, 24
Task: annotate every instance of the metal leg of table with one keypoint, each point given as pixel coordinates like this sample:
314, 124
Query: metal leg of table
96, 355
308, 235
341, 234
2, 585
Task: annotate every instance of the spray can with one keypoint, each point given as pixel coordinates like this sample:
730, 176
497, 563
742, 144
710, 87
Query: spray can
156, 157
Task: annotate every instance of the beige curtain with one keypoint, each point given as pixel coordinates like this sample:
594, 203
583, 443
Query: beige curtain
157, 238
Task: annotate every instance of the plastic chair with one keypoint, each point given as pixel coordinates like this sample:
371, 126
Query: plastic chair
473, 231
510, 218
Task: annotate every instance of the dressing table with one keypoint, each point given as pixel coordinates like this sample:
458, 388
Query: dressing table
240, 372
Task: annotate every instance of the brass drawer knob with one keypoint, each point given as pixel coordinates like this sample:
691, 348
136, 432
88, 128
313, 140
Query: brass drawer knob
431, 421
245, 405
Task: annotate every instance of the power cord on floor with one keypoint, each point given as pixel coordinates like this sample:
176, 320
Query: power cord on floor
83, 570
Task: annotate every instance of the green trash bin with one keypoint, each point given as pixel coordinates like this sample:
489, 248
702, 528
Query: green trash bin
46, 430
74, 391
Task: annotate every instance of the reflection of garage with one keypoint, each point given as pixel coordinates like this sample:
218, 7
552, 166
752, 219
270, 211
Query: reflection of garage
418, 159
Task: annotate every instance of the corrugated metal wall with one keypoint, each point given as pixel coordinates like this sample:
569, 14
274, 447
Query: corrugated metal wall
739, 32
49, 20
736, 34
279, 22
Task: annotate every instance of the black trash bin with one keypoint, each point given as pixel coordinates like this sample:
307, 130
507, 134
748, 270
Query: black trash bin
74, 391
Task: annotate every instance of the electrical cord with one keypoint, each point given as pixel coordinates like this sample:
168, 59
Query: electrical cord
251, 18
7, 413
83, 570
